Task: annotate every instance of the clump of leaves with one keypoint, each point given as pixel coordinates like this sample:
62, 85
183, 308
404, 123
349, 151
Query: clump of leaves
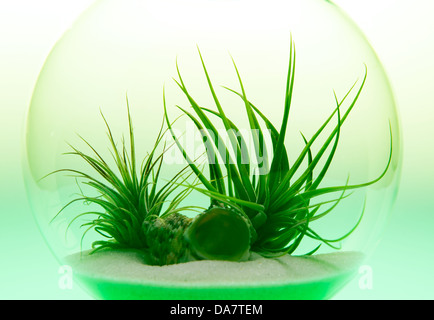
277, 204
134, 206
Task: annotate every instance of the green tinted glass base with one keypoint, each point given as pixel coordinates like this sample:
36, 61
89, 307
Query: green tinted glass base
120, 275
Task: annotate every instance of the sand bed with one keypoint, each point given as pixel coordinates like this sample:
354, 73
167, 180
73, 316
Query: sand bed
122, 274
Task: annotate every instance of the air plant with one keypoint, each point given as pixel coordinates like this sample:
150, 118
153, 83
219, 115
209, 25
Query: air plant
277, 205
136, 211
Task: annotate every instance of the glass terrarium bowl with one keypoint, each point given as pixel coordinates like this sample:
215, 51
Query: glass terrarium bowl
129, 52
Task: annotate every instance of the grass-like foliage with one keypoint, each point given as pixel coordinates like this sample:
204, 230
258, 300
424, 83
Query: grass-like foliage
261, 202
128, 196
279, 202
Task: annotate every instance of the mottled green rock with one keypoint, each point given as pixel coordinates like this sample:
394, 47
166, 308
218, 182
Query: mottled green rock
165, 240
216, 234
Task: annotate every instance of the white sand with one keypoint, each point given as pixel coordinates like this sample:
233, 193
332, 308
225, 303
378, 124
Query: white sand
128, 266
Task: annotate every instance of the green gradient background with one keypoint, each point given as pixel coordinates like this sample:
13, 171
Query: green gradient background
402, 32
